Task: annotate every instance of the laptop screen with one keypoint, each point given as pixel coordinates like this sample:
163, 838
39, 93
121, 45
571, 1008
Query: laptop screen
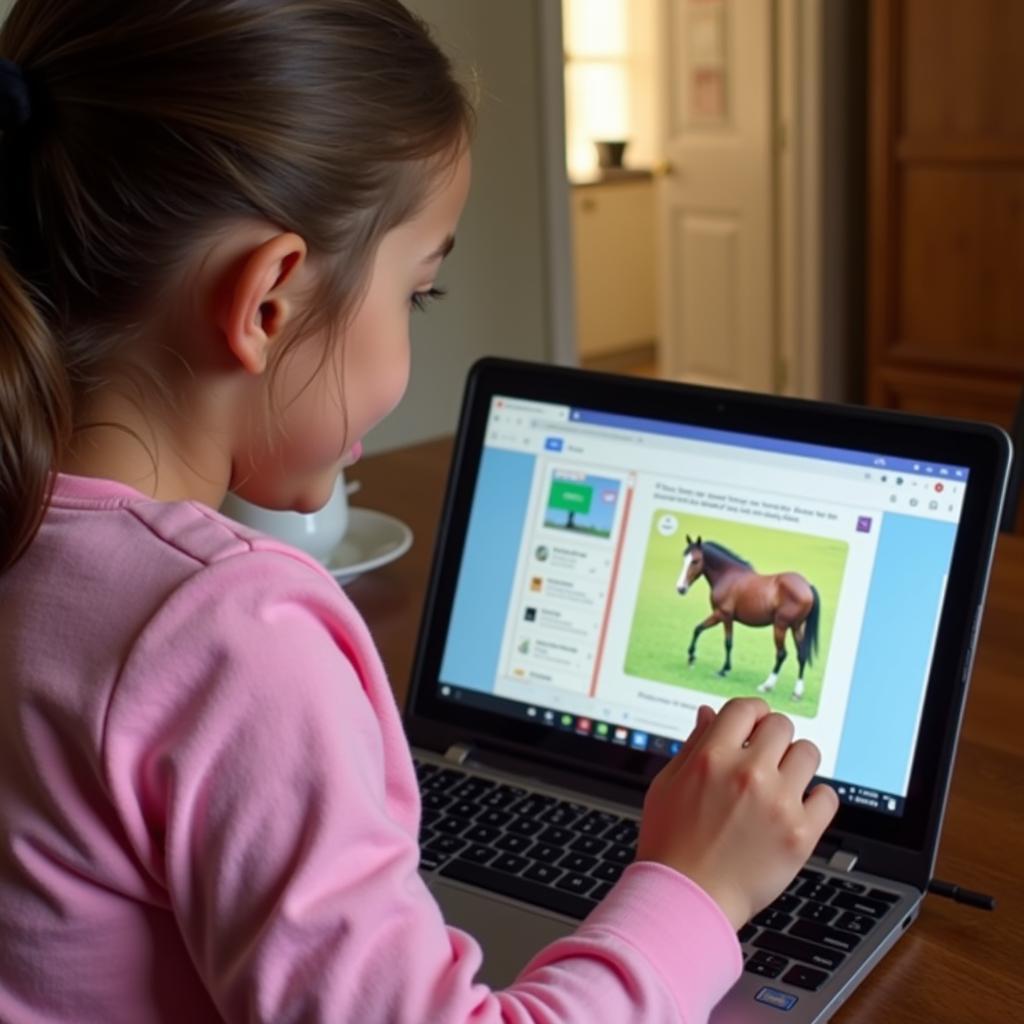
620, 571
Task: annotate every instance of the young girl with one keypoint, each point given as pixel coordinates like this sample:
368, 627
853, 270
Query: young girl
216, 217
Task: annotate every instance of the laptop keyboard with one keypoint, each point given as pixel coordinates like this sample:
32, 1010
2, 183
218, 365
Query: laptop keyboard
566, 856
808, 931
530, 846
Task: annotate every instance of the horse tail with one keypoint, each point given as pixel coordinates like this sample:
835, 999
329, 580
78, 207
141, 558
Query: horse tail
809, 647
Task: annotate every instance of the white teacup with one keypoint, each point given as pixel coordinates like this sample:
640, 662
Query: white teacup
317, 533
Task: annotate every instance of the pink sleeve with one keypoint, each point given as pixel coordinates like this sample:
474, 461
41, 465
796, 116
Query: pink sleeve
272, 798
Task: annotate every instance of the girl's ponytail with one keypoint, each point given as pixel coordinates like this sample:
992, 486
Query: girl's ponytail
35, 414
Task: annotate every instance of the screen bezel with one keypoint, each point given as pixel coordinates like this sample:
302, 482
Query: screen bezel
984, 450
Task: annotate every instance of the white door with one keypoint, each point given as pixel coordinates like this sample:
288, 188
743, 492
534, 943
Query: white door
715, 205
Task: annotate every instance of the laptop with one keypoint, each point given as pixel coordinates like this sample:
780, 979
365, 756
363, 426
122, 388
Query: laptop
570, 634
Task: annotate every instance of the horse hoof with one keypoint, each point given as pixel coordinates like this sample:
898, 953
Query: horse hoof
722, 674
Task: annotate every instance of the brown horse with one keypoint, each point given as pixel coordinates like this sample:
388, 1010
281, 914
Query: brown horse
784, 601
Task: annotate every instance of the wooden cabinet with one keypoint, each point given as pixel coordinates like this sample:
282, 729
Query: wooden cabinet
614, 248
946, 207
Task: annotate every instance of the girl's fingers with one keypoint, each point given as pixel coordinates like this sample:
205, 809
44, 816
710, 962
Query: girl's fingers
737, 719
799, 763
705, 718
821, 806
771, 738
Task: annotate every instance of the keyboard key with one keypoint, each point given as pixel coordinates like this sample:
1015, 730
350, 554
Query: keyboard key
577, 862
861, 904
463, 808
431, 860
446, 844
766, 965
518, 887
435, 800
776, 919
440, 849
884, 895
856, 923
532, 804
525, 826
812, 910
494, 817
556, 836
578, 884
625, 832
600, 891
810, 875
424, 770
805, 977
746, 933
442, 779
479, 854
562, 813
800, 949
787, 903
509, 862
546, 853
543, 873
816, 891
596, 822
607, 871
512, 843
472, 788
481, 834
451, 826
847, 885
844, 941
618, 854
503, 796
588, 845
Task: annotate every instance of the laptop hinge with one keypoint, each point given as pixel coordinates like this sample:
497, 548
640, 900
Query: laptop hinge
458, 753
842, 860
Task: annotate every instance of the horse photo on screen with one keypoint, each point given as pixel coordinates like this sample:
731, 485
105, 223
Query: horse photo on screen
748, 606
786, 601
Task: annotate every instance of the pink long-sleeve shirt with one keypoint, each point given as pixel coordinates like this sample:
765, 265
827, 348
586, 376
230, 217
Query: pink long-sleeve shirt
208, 809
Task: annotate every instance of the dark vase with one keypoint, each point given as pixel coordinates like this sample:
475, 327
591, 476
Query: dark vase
610, 153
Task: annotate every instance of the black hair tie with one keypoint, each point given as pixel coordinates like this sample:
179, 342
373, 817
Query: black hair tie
15, 97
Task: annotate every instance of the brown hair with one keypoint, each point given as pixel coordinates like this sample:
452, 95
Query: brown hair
153, 125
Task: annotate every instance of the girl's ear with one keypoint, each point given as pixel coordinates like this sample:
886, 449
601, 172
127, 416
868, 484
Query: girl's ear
259, 299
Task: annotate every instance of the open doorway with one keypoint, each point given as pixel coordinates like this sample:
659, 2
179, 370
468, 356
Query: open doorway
694, 152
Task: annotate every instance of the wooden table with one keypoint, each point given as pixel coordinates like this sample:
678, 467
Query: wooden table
956, 964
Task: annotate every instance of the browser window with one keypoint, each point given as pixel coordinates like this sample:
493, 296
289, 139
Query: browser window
619, 572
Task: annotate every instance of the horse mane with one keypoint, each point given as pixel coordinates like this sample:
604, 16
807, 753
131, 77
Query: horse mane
721, 549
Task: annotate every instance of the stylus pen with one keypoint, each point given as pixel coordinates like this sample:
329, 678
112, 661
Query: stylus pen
968, 896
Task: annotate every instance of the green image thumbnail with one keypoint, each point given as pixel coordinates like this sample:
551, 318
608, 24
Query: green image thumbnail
582, 503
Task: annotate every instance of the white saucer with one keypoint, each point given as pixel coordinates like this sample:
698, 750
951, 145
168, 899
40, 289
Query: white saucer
372, 539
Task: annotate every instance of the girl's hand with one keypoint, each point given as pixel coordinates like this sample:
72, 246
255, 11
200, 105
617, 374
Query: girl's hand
729, 810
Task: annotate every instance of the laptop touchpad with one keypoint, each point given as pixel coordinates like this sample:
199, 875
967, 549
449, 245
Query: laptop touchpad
509, 935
